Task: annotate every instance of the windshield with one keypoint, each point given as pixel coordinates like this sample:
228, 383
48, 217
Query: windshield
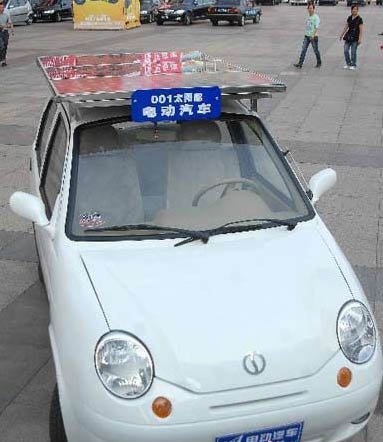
47, 3
145, 4
195, 175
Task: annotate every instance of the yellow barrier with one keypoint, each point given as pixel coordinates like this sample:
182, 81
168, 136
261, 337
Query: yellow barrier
106, 14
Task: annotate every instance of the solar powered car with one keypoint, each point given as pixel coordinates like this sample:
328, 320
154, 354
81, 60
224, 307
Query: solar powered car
195, 293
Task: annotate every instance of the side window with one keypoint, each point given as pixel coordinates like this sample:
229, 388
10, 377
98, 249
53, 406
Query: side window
45, 128
53, 168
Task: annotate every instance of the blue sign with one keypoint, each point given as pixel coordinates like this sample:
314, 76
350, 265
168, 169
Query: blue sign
197, 103
287, 433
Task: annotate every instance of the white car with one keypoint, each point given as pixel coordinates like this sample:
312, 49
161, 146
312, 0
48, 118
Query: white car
20, 11
298, 2
195, 293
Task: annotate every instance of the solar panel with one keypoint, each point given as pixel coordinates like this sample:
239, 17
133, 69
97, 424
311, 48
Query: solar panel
117, 76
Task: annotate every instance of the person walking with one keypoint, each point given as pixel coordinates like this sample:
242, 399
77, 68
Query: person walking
311, 36
352, 36
5, 24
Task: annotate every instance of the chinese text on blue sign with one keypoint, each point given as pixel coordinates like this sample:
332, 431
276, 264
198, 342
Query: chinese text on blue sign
199, 103
287, 433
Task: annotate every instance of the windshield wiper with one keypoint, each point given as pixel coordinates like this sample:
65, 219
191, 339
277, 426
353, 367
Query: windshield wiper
222, 229
191, 234
273, 221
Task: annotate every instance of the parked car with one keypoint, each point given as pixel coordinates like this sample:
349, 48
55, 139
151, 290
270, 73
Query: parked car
20, 11
327, 2
183, 11
234, 11
148, 11
195, 294
298, 2
356, 2
53, 10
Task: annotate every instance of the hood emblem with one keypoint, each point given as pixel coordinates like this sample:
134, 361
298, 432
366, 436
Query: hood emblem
254, 363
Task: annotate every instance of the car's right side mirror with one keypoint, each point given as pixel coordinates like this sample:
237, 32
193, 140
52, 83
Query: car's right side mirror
321, 182
29, 207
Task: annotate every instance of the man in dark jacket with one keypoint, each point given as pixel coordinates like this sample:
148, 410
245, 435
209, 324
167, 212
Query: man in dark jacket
352, 36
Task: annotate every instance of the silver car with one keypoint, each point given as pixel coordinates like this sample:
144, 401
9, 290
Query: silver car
20, 11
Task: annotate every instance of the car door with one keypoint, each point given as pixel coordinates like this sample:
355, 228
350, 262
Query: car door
196, 6
50, 191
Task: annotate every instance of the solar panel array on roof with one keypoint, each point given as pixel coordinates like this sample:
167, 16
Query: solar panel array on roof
113, 76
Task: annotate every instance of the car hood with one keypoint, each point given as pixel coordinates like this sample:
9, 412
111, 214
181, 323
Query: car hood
200, 308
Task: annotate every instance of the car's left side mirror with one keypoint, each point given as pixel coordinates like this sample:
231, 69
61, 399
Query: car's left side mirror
29, 207
321, 182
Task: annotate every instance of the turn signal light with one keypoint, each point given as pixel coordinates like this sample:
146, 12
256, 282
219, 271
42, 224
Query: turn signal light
344, 377
162, 407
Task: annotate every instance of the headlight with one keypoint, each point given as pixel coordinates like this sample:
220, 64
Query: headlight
124, 365
50, 11
180, 11
144, 12
356, 332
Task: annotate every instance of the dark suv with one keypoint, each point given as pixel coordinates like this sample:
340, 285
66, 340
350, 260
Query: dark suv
234, 11
148, 11
183, 11
52, 10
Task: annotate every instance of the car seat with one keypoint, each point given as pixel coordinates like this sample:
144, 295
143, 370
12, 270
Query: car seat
199, 159
107, 181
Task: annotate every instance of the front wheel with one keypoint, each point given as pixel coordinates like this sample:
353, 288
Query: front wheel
214, 22
29, 20
241, 21
57, 18
187, 19
159, 22
56, 423
257, 18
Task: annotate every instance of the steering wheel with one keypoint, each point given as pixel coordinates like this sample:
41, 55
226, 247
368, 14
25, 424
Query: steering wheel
227, 183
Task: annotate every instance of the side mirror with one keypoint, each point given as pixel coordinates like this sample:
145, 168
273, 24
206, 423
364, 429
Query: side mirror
29, 207
321, 182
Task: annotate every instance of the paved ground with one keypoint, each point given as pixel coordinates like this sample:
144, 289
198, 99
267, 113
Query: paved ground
327, 117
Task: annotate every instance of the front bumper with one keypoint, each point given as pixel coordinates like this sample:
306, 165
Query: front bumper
327, 410
43, 15
172, 17
225, 17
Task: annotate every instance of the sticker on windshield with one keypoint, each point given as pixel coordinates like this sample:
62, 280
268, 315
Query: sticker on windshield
89, 220
199, 103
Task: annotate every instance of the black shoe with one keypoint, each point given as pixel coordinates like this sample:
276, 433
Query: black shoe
3, 64
297, 65
318, 65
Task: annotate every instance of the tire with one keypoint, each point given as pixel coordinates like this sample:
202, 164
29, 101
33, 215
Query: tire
159, 22
57, 17
231, 23
29, 20
257, 18
214, 22
56, 423
187, 19
241, 21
